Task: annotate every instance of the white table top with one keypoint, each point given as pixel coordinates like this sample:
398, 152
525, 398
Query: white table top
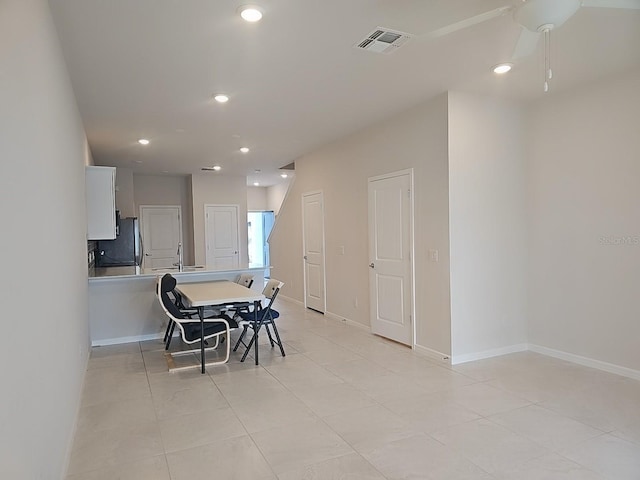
217, 293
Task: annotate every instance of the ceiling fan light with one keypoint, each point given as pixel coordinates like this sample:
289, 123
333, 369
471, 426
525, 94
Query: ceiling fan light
502, 68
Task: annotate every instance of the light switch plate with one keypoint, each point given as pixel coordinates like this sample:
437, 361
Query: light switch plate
433, 255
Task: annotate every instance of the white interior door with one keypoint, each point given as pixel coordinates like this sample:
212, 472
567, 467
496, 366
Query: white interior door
161, 233
222, 236
390, 268
313, 240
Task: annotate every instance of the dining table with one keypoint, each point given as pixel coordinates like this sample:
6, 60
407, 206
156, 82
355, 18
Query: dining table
220, 294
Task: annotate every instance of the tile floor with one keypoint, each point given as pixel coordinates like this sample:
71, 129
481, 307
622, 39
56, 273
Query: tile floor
345, 404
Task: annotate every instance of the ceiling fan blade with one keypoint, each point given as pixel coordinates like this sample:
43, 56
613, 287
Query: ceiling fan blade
628, 4
469, 22
526, 45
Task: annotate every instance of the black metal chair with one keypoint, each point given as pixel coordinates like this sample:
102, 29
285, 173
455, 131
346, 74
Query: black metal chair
246, 280
194, 330
264, 316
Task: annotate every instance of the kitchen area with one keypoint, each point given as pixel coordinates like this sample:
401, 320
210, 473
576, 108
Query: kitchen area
142, 226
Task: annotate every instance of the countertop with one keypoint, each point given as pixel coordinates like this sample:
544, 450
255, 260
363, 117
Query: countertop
106, 273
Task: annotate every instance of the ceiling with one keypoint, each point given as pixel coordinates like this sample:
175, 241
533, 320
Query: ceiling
148, 69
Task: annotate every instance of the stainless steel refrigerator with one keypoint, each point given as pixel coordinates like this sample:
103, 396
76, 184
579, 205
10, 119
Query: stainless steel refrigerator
125, 250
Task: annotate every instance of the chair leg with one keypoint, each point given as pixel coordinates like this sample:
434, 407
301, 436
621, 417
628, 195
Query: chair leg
173, 326
244, 331
166, 333
275, 330
266, 326
254, 341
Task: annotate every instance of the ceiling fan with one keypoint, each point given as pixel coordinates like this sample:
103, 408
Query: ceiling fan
537, 18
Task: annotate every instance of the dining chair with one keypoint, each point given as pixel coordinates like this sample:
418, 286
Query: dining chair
191, 328
245, 279
266, 316
177, 300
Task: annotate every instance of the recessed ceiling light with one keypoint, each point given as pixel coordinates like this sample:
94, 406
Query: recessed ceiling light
250, 13
143, 141
257, 170
284, 175
221, 98
217, 168
244, 149
502, 68
256, 184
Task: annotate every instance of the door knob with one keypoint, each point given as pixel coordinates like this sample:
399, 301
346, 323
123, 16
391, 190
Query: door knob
371, 265
305, 257
147, 254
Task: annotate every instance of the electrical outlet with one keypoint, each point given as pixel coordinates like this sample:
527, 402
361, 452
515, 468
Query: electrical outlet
433, 255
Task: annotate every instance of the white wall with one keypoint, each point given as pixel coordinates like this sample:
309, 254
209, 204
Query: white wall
487, 201
214, 190
584, 188
257, 198
43, 152
125, 202
167, 190
276, 195
414, 139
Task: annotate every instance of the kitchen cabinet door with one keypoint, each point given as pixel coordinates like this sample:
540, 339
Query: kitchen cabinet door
101, 203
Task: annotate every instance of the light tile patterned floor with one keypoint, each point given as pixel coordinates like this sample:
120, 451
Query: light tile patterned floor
344, 404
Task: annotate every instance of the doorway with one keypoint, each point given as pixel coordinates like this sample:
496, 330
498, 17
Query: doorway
313, 247
221, 236
161, 233
259, 225
390, 256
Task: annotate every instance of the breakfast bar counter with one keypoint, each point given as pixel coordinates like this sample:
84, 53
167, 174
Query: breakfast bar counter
123, 306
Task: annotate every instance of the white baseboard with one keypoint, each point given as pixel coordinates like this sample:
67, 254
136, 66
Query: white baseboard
587, 362
432, 354
495, 352
348, 321
289, 299
119, 340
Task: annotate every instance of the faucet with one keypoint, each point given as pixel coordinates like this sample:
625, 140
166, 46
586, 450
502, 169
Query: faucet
180, 263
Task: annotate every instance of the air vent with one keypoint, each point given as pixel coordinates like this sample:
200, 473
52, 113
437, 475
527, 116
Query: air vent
383, 40
289, 166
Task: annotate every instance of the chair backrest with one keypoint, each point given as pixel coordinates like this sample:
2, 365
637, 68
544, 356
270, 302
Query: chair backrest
167, 284
271, 289
177, 298
245, 279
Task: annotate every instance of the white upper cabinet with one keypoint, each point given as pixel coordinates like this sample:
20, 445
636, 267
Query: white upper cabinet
101, 203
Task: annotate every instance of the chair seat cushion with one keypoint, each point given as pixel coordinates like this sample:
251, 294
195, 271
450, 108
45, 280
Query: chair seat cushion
192, 329
250, 316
